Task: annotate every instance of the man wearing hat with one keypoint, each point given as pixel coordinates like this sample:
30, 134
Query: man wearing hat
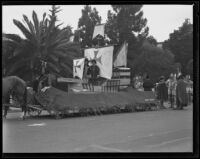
94, 71
147, 84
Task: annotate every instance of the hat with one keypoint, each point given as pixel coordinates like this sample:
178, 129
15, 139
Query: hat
162, 77
94, 61
180, 77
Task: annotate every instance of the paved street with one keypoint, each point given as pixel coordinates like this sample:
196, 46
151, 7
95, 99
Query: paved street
152, 131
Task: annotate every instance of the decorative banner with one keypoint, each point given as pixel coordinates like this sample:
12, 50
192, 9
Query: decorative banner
78, 66
98, 29
121, 57
104, 59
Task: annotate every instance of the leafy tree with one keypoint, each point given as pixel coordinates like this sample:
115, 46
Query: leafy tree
127, 24
111, 28
154, 61
152, 40
44, 41
13, 64
86, 24
9, 44
54, 10
189, 67
181, 44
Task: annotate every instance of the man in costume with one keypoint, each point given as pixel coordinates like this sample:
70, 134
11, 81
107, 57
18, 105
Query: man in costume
94, 71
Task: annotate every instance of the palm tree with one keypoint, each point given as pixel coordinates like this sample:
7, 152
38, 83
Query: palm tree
44, 41
9, 43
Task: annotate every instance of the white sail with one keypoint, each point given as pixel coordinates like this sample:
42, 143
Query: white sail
98, 30
78, 66
121, 58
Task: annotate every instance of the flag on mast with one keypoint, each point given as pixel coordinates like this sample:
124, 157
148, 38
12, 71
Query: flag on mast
78, 66
121, 56
71, 39
98, 30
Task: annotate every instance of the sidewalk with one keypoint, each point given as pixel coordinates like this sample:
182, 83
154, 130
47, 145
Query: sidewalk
167, 105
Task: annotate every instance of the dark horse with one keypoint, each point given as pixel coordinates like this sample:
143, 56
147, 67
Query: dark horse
17, 87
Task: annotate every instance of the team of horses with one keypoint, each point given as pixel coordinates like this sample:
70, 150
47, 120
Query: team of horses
17, 87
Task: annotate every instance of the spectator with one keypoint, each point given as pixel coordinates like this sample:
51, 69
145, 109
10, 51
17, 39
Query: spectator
171, 84
147, 84
136, 82
156, 89
189, 88
94, 71
181, 94
162, 91
85, 71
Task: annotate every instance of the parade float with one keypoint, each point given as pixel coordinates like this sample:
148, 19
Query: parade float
112, 93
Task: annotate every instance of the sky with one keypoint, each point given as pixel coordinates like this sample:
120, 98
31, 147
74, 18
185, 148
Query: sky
161, 19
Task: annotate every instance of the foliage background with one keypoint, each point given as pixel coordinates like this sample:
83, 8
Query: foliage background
46, 41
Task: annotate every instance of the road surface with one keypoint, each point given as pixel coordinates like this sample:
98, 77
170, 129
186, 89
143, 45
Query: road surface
153, 131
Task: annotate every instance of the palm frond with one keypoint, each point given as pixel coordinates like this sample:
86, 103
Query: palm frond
13, 37
44, 16
54, 67
36, 23
23, 29
54, 58
31, 28
67, 68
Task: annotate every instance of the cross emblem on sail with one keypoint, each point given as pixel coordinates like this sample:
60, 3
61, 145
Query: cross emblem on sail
77, 65
97, 59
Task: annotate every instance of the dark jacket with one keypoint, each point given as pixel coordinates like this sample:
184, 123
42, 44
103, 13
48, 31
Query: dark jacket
162, 92
181, 93
147, 85
93, 71
35, 85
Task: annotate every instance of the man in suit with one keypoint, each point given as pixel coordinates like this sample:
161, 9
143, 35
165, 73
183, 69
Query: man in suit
147, 84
